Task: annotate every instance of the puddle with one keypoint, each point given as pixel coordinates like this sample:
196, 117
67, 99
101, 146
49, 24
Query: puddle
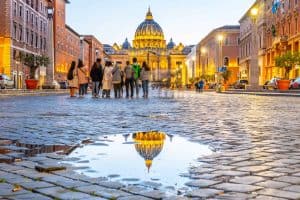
12, 151
145, 158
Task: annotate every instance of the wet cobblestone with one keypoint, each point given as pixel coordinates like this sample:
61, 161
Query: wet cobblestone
256, 140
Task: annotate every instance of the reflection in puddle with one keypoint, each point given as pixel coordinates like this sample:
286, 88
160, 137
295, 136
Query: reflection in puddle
145, 158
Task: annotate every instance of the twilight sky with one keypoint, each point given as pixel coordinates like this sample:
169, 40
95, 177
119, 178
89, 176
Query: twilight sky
186, 21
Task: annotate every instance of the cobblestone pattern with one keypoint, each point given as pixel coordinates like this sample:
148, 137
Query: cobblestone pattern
256, 142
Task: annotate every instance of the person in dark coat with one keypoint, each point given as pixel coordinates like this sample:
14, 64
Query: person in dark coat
96, 76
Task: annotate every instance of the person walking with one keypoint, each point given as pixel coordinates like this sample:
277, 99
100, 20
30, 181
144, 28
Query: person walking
137, 72
116, 80
96, 76
82, 78
128, 71
201, 85
73, 79
145, 76
107, 79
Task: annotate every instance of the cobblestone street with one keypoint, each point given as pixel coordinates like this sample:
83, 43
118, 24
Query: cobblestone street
255, 139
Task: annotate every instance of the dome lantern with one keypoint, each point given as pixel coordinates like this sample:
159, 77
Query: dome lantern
149, 15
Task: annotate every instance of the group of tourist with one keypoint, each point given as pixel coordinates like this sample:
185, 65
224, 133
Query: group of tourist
109, 77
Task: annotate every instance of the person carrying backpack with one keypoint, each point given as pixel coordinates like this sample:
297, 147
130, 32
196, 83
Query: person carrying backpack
96, 76
128, 71
136, 75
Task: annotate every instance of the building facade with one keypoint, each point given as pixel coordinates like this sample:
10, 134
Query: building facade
219, 48
95, 50
271, 32
166, 61
23, 31
282, 35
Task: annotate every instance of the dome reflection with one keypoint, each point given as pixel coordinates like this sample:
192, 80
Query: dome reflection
149, 145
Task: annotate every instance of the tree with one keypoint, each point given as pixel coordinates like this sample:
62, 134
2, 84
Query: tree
226, 75
287, 61
35, 61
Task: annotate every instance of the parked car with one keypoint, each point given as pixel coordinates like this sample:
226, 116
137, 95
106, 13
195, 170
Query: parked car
240, 84
271, 84
6, 82
295, 84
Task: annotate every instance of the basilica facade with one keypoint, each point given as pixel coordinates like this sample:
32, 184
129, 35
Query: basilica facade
166, 61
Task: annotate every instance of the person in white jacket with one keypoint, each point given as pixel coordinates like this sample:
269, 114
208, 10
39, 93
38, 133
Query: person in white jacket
107, 79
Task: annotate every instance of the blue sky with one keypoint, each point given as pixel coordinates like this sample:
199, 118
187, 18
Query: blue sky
186, 21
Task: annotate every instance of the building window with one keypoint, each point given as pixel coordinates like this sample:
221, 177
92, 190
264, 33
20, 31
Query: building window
32, 19
44, 44
36, 21
15, 31
296, 2
41, 25
15, 9
20, 11
27, 36
27, 16
36, 41
32, 38
41, 42
20, 32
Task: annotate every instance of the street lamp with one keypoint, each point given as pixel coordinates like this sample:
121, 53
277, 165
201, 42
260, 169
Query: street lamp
50, 70
220, 39
254, 68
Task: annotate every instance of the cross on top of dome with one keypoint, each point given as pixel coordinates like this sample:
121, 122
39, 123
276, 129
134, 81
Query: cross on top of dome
149, 14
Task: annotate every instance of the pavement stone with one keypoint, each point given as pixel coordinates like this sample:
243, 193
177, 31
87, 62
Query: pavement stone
102, 191
232, 187
263, 197
273, 184
61, 193
293, 188
33, 196
248, 180
7, 190
280, 193
204, 193
201, 183
289, 179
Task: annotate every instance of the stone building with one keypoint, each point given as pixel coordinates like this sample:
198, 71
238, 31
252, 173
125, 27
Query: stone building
23, 30
95, 49
282, 35
218, 49
167, 61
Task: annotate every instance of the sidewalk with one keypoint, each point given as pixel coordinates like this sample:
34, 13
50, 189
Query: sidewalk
45, 92
289, 93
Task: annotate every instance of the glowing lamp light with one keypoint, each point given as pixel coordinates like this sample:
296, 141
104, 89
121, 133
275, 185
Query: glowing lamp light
203, 50
220, 37
254, 12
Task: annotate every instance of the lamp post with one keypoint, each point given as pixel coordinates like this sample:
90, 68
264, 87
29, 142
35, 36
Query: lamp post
50, 69
254, 69
17, 77
220, 39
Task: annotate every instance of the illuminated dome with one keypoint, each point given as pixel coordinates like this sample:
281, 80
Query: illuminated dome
149, 34
149, 145
126, 45
171, 44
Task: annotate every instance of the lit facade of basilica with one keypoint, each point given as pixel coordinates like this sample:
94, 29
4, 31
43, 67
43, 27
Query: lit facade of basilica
166, 61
